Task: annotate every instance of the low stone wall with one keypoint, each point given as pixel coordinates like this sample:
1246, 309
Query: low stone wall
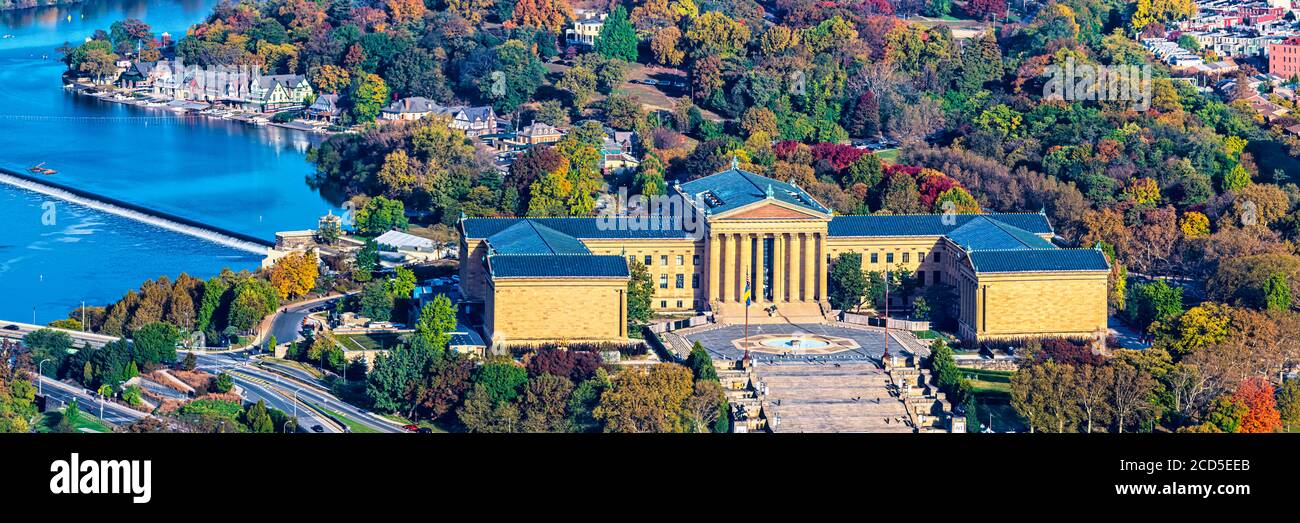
875, 321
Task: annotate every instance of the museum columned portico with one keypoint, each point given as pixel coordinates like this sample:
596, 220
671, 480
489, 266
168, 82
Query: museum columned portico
543, 279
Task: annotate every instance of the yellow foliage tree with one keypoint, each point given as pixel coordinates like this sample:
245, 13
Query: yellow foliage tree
1194, 225
295, 274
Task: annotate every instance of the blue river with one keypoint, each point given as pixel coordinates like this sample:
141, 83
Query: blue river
54, 255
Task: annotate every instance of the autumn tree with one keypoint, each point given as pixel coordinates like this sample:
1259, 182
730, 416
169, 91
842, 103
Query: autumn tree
665, 47
295, 274
542, 14
647, 398
1256, 394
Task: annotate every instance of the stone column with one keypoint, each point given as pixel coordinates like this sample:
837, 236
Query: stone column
778, 268
809, 264
822, 275
760, 268
715, 288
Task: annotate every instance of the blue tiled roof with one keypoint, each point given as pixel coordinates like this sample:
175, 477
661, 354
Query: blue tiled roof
928, 224
582, 228
735, 188
529, 237
557, 266
466, 335
982, 233
1038, 260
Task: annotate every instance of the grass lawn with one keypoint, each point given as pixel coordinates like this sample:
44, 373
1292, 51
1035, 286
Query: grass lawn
368, 341
888, 155
423, 423
988, 381
349, 422
297, 365
50, 420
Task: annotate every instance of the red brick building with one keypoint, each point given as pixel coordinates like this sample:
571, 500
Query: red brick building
1284, 58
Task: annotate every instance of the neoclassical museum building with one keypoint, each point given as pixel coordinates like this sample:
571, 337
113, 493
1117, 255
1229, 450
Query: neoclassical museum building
565, 279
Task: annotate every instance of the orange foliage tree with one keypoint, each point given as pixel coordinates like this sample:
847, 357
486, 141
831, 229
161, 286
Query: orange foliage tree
1257, 394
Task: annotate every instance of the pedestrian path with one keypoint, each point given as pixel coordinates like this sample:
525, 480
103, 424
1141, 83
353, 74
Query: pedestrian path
830, 398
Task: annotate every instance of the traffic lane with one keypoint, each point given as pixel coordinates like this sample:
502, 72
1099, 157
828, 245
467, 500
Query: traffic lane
282, 399
307, 418
238, 363
321, 398
62, 393
288, 325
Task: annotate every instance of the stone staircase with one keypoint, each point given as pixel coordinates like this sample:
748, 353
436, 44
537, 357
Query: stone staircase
829, 398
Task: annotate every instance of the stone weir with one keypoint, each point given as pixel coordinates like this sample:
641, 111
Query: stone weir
138, 213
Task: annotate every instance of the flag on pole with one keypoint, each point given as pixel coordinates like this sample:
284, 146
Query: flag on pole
746, 295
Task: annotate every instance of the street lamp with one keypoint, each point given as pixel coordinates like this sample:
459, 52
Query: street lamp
40, 382
295, 402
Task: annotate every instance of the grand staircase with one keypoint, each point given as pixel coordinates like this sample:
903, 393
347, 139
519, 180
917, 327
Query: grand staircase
830, 398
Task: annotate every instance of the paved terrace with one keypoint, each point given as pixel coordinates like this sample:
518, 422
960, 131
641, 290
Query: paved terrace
717, 340
830, 397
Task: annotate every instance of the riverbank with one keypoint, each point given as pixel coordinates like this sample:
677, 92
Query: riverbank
193, 109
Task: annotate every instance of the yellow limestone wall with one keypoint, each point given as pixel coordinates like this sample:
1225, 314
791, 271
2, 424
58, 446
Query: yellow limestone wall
1040, 304
533, 310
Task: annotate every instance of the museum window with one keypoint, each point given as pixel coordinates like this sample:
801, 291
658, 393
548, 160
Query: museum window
695, 281
663, 260
679, 304
907, 257
681, 260
663, 304
889, 257
695, 260
681, 281
875, 257
663, 281
936, 256
647, 260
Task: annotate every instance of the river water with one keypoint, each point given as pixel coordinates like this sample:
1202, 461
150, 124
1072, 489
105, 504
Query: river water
53, 254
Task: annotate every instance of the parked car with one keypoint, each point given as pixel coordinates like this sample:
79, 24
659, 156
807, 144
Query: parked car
11, 327
411, 427
317, 428
425, 430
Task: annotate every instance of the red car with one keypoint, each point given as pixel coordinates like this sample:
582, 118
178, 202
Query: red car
411, 428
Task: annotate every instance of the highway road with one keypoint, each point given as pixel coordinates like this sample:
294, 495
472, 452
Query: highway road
287, 325
17, 331
58, 394
279, 389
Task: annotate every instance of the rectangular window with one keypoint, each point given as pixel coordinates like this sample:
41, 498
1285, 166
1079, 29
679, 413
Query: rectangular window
889, 257
875, 257
695, 281
681, 260
679, 304
681, 281
937, 276
920, 278
936, 256
695, 260
907, 257
663, 260
663, 281
663, 304
647, 260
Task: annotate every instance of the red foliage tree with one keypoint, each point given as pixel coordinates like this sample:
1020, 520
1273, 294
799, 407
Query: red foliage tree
987, 9
932, 185
1257, 394
840, 156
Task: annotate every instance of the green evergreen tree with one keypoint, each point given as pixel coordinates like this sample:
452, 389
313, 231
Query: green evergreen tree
617, 39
